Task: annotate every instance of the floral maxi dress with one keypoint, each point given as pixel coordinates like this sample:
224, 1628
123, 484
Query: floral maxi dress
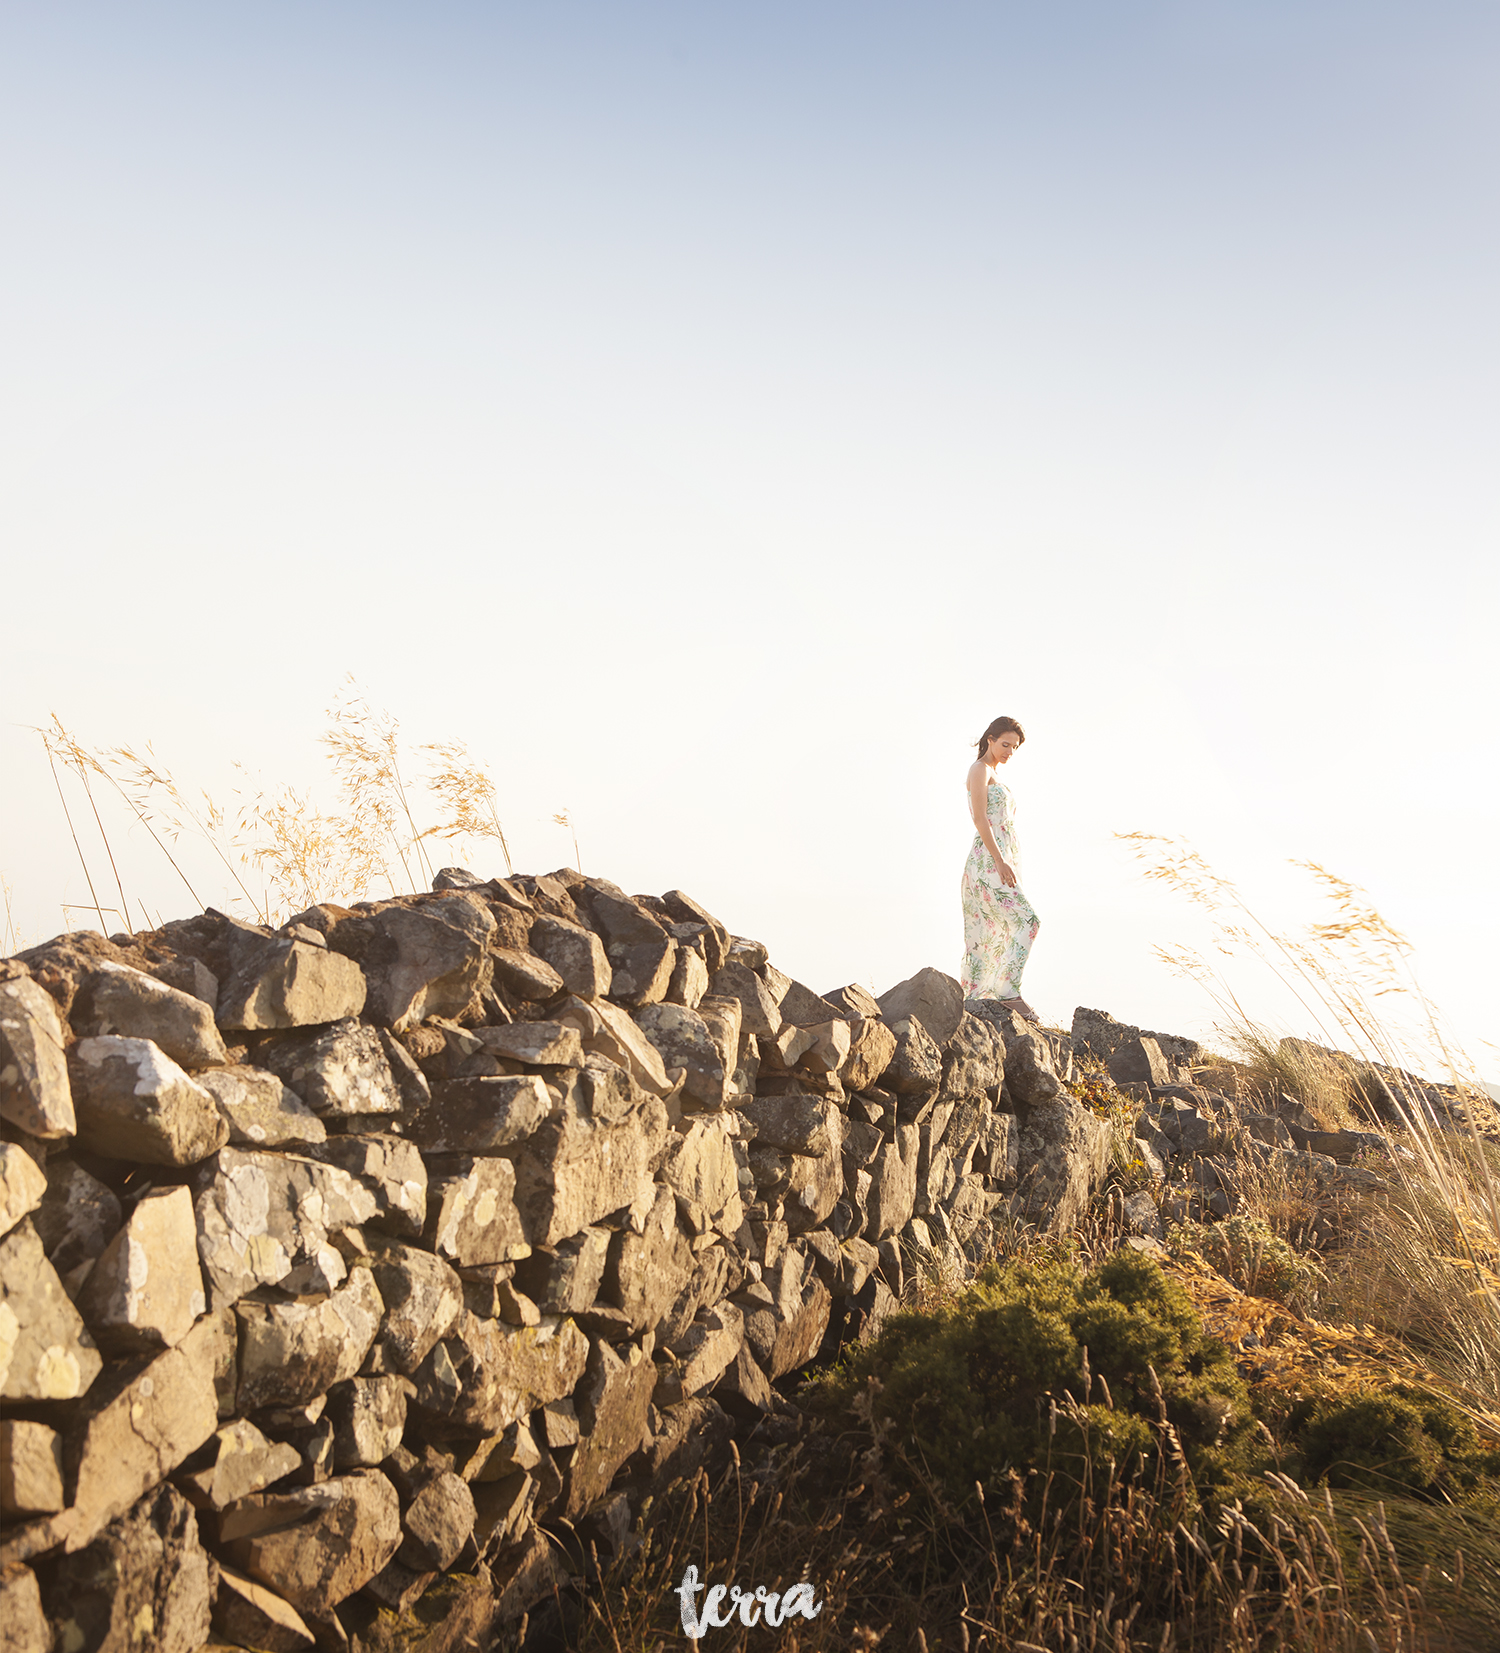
1000, 924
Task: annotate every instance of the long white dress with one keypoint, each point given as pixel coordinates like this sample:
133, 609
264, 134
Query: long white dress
1000, 924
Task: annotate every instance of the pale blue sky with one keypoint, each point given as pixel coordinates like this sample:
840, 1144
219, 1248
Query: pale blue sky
715, 414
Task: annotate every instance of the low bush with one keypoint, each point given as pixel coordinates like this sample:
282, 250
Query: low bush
1395, 1440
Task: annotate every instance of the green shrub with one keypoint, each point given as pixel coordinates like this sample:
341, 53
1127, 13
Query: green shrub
1252, 1256
1393, 1440
1040, 1367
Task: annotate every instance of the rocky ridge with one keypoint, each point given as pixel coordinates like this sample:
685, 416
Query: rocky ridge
357, 1277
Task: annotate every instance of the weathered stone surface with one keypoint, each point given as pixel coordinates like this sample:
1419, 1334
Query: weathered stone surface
701, 1166
391, 1168
936, 1000
831, 1046
1139, 1061
682, 1039
1029, 1072
1097, 1033
438, 1522
1064, 1153
788, 1336
525, 975
646, 1271
488, 1375
23, 1620
565, 1279
917, 1065
134, 1102
265, 1219
46, 1352
643, 972
117, 999
423, 1298
759, 1012
262, 1112
316, 1545
744, 1388
814, 1183
792, 1123
893, 1185
687, 1438
369, 1416
290, 1353
146, 1290
871, 1048
142, 1586
708, 1347
339, 1071
723, 1018
802, 1007
607, 1031
685, 910
77, 1217
619, 918
573, 1170
287, 983
539, 1044
429, 959
481, 1115
138, 1424
35, 1092
974, 1061
613, 1402
689, 977
31, 1469
248, 1614
576, 954
854, 1001
22, 1185
237, 1461
473, 1216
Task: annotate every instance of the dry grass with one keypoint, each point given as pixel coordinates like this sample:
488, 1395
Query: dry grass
280, 850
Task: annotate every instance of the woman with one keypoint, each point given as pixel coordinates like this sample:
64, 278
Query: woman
1000, 924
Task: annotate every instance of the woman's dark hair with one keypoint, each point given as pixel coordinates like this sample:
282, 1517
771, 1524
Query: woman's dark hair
1001, 726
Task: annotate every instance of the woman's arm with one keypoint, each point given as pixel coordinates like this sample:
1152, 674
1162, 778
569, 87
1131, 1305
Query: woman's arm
979, 809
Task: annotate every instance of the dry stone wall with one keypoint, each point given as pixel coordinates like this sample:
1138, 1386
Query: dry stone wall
356, 1276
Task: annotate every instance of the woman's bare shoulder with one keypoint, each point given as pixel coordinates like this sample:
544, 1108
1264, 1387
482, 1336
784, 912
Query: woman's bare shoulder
977, 771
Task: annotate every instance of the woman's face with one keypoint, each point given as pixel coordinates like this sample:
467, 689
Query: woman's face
1002, 746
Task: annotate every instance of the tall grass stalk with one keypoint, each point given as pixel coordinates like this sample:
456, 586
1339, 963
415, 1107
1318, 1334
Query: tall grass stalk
1431, 1273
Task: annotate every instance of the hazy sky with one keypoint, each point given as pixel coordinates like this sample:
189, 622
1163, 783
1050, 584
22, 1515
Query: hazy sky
715, 414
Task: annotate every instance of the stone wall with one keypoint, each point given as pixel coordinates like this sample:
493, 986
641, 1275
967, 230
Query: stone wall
356, 1276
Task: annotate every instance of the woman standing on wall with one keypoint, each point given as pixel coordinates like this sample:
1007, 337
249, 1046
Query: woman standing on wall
1000, 924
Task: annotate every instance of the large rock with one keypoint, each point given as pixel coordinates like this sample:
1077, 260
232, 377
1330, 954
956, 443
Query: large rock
117, 999
46, 1352
35, 1092
391, 1168
31, 1469
613, 1402
793, 1123
525, 975
565, 1279
815, 1182
316, 1545
488, 1375
936, 1000
573, 1169
22, 1185
893, 1185
134, 1102
423, 1298
685, 910
146, 1290
265, 1220
759, 1012
247, 1614
1097, 1033
682, 1039
288, 983
138, 1424
619, 918
538, 1044
871, 1047
643, 972
802, 1007
576, 954
709, 1345
369, 1418
423, 960
438, 1522
1029, 1074
473, 1217
1064, 1153
788, 1334
142, 1586
291, 1353
77, 1217
607, 1031
261, 1111
974, 1061
701, 1167
480, 1116
646, 1271
238, 1461
24, 1627
339, 1071
1139, 1061
917, 1065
